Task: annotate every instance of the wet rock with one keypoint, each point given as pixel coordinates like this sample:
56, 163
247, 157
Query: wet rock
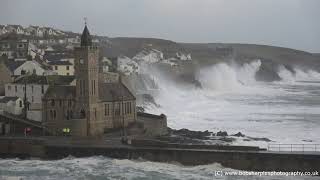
222, 133
268, 72
257, 139
239, 134
307, 140
204, 135
140, 109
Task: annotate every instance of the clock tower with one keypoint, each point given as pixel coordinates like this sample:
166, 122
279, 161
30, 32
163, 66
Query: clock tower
87, 75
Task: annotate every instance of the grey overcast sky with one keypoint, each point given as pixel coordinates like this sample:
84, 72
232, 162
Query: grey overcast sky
286, 23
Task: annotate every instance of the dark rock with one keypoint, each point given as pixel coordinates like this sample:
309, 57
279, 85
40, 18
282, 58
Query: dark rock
222, 133
307, 140
257, 139
239, 134
140, 109
268, 72
204, 135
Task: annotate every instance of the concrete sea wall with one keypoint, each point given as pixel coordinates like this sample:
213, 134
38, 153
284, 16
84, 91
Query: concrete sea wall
251, 160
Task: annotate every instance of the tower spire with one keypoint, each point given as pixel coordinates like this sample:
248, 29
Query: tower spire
86, 39
85, 20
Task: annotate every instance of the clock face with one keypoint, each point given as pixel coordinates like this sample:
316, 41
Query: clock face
81, 61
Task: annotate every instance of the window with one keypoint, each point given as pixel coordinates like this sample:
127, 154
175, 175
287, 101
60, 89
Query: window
71, 114
94, 87
56, 67
32, 89
68, 74
117, 109
34, 71
52, 102
20, 103
83, 113
42, 89
54, 114
81, 61
51, 114
23, 72
67, 68
95, 113
106, 110
128, 106
91, 87
16, 88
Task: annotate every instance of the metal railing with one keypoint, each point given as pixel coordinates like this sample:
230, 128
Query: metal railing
294, 147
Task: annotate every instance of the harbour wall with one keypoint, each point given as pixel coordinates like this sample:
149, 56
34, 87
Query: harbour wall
248, 160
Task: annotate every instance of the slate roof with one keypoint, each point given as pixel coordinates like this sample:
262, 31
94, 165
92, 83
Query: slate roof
15, 26
31, 79
60, 92
13, 65
7, 99
52, 80
63, 63
60, 80
108, 92
57, 57
114, 92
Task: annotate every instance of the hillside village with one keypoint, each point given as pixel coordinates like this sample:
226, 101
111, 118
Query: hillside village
38, 63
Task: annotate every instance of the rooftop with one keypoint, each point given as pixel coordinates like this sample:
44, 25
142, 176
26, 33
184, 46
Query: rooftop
7, 99
60, 63
114, 92
54, 79
60, 92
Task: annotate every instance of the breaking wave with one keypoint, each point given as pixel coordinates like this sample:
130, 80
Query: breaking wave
297, 74
224, 77
231, 99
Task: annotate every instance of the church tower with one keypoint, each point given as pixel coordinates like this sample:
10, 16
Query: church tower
87, 74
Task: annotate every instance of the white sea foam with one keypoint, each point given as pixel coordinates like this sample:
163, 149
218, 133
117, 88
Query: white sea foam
232, 100
106, 168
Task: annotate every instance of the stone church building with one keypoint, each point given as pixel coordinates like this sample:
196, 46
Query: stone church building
93, 105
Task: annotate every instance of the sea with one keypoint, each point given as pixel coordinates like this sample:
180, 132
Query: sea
230, 99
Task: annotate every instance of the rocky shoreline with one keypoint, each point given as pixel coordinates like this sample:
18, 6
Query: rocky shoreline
186, 136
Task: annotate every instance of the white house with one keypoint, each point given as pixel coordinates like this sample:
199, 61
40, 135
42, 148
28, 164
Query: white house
33, 88
149, 56
32, 67
36, 31
15, 48
11, 105
3, 29
15, 29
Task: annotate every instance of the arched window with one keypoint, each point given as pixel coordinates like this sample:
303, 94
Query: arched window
82, 113
52, 102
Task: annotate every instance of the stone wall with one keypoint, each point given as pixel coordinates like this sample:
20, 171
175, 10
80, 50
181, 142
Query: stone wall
21, 147
108, 77
5, 77
154, 125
